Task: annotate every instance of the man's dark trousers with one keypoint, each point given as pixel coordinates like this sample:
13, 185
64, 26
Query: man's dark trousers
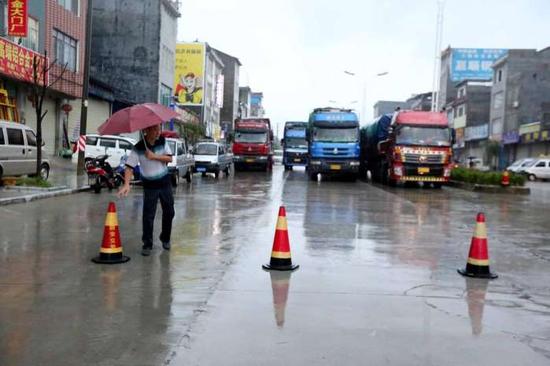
150, 199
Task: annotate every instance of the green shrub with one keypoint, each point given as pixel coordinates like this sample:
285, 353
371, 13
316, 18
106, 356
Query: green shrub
33, 182
473, 176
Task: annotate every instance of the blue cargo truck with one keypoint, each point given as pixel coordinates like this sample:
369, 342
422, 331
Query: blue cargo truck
333, 136
294, 145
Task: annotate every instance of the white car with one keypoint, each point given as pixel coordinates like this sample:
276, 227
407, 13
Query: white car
116, 147
182, 161
518, 165
537, 169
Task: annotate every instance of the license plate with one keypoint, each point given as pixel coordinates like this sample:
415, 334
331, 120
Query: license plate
201, 169
335, 167
423, 170
297, 160
249, 160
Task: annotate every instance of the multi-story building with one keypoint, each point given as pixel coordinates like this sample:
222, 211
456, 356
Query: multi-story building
520, 104
256, 107
199, 85
134, 47
56, 28
420, 102
245, 94
387, 106
469, 115
230, 108
459, 64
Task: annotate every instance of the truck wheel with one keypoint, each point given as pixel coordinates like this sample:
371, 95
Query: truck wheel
189, 176
203, 174
313, 177
438, 185
44, 171
217, 174
532, 177
174, 179
228, 170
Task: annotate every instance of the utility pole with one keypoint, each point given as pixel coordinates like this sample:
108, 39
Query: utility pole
85, 85
437, 58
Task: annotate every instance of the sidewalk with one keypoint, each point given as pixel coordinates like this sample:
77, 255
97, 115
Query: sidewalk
62, 177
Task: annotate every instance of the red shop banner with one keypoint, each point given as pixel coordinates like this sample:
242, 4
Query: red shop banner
17, 18
17, 62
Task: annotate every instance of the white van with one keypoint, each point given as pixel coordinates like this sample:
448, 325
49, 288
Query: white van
114, 146
18, 151
538, 169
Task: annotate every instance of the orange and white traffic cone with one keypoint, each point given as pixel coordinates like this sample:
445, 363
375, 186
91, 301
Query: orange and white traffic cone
505, 181
280, 283
280, 255
478, 258
111, 248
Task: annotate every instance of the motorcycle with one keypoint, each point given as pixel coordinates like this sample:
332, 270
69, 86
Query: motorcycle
101, 174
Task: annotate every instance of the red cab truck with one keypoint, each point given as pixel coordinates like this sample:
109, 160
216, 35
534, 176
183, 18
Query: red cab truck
253, 144
408, 146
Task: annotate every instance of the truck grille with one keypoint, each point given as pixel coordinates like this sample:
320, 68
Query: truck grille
423, 159
336, 152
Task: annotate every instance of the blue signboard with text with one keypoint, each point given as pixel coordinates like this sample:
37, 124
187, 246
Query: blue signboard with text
474, 63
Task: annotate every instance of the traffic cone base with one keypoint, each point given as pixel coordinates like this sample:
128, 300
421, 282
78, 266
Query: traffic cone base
110, 251
477, 265
280, 255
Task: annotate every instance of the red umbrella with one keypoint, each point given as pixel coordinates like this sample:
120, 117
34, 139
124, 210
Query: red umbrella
135, 118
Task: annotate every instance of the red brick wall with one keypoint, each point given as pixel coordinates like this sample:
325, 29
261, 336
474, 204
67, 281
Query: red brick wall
74, 26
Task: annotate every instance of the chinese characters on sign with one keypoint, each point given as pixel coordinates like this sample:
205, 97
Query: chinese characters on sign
189, 73
17, 62
17, 18
474, 63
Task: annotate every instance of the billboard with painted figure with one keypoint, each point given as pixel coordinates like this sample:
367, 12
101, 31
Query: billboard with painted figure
474, 63
189, 74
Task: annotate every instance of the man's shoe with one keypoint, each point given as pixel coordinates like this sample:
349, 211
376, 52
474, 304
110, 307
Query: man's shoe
146, 252
166, 246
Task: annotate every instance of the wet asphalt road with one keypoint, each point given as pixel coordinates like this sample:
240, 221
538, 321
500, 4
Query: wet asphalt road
377, 282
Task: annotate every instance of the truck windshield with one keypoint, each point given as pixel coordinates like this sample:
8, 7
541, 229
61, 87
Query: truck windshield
295, 142
251, 137
207, 149
336, 134
172, 146
424, 136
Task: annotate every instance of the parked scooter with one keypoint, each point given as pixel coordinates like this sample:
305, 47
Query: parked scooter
101, 174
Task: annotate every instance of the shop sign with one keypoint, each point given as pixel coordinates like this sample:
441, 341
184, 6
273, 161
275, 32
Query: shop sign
16, 61
476, 132
510, 137
529, 128
17, 18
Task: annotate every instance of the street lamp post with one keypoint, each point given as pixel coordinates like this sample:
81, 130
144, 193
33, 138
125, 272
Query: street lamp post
364, 82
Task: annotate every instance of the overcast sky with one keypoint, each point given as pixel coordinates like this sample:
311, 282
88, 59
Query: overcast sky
296, 51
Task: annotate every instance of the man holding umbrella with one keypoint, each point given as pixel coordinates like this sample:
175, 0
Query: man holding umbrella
152, 153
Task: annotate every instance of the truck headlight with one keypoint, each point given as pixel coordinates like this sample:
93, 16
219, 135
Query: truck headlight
447, 172
398, 170
263, 157
354, 163
315, 162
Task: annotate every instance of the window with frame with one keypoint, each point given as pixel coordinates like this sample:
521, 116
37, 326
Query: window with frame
107, 143
65, 50
33, 30
165, 94
2, 137
15, 136
125, 145
70, 5
91, 140
460, 111
31, 138
541, 164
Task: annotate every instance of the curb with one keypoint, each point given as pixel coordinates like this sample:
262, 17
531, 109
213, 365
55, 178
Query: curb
39, 196
489, 188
